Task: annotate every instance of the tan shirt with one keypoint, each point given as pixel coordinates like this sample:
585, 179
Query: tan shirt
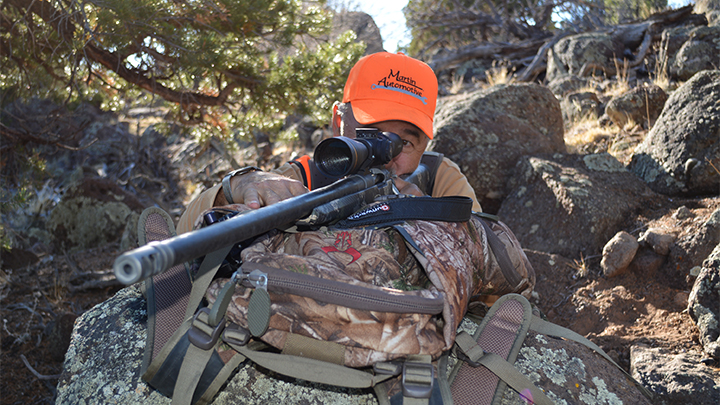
449, 181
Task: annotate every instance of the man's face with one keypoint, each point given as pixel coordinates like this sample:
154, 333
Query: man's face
414, 144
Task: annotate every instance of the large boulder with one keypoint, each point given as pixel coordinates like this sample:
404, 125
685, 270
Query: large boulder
677, 154
640, 105
486, 132
103, 363
704, 304
571, 54
580, 106
570, 204
676, 378
92, 213
364, 27
701, 51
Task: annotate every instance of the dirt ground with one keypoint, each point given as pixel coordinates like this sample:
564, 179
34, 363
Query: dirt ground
40, 302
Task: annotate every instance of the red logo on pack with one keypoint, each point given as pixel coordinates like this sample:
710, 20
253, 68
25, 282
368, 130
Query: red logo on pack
343, 243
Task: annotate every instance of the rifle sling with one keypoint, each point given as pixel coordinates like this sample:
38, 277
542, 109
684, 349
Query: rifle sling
447, 209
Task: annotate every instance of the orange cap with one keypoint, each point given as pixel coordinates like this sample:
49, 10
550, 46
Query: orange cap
386, 86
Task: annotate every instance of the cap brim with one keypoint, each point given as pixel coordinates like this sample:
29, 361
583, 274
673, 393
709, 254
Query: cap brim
371, 111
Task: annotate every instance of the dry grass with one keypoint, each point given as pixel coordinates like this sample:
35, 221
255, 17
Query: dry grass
501, 74
586, 131
581, 267
622, 82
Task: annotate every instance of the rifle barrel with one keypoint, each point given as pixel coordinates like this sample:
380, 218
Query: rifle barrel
157, 257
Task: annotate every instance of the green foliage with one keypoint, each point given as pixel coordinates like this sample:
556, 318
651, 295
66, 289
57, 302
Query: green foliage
21, 172
228, 67
618, 11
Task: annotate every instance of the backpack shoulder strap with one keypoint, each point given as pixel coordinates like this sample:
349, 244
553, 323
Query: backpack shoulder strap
495, 345
166, 294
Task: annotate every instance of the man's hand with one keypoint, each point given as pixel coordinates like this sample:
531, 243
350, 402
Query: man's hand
405, 187
259, 189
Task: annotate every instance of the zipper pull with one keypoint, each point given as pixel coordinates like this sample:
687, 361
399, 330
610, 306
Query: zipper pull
219, 308
258, 279
259, 305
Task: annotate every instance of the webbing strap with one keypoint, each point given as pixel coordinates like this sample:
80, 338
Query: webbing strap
500, 367
418, 377
501, 255
551, 329
221, 379
382, 394
299, 345
469, 346
204, 277
508, 373
311, 369
192, 367
158, 361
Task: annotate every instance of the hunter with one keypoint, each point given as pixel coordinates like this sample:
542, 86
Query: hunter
389, 92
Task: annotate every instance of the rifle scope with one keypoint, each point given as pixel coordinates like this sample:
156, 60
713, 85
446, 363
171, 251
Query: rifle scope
341, 156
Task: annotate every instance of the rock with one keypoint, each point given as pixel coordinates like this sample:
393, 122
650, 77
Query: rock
364, 27
711, 10
701, 51
103, 362
583, 201
103, 365
571, 53
646, 262
694, 248
486, 131
92, 213
681, 299
618, 253
682, 213
673, 38
675, 378
580, 106
674, 158
567, 84
60, 334
640, 105
571, 373
658, 240
704, 304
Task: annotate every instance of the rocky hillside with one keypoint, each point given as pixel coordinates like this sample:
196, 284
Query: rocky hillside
608, 175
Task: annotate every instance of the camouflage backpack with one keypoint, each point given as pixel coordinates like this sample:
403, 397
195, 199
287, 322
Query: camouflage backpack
373, 298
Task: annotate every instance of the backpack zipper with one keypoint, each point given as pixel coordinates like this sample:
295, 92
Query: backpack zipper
276, 280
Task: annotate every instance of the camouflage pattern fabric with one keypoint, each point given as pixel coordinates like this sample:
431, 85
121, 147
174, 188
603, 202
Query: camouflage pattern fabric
454, 262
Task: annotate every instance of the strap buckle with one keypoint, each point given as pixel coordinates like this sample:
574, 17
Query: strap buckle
464, 357
417, 379
388, 368
235, 335
201, 333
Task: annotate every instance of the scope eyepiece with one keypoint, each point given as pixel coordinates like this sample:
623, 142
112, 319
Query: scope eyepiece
341, 156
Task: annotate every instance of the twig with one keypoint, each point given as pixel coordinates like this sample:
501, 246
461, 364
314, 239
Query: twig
38, 375
711, 164
95, 284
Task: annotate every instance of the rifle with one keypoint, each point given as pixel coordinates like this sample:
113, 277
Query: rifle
358, 163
